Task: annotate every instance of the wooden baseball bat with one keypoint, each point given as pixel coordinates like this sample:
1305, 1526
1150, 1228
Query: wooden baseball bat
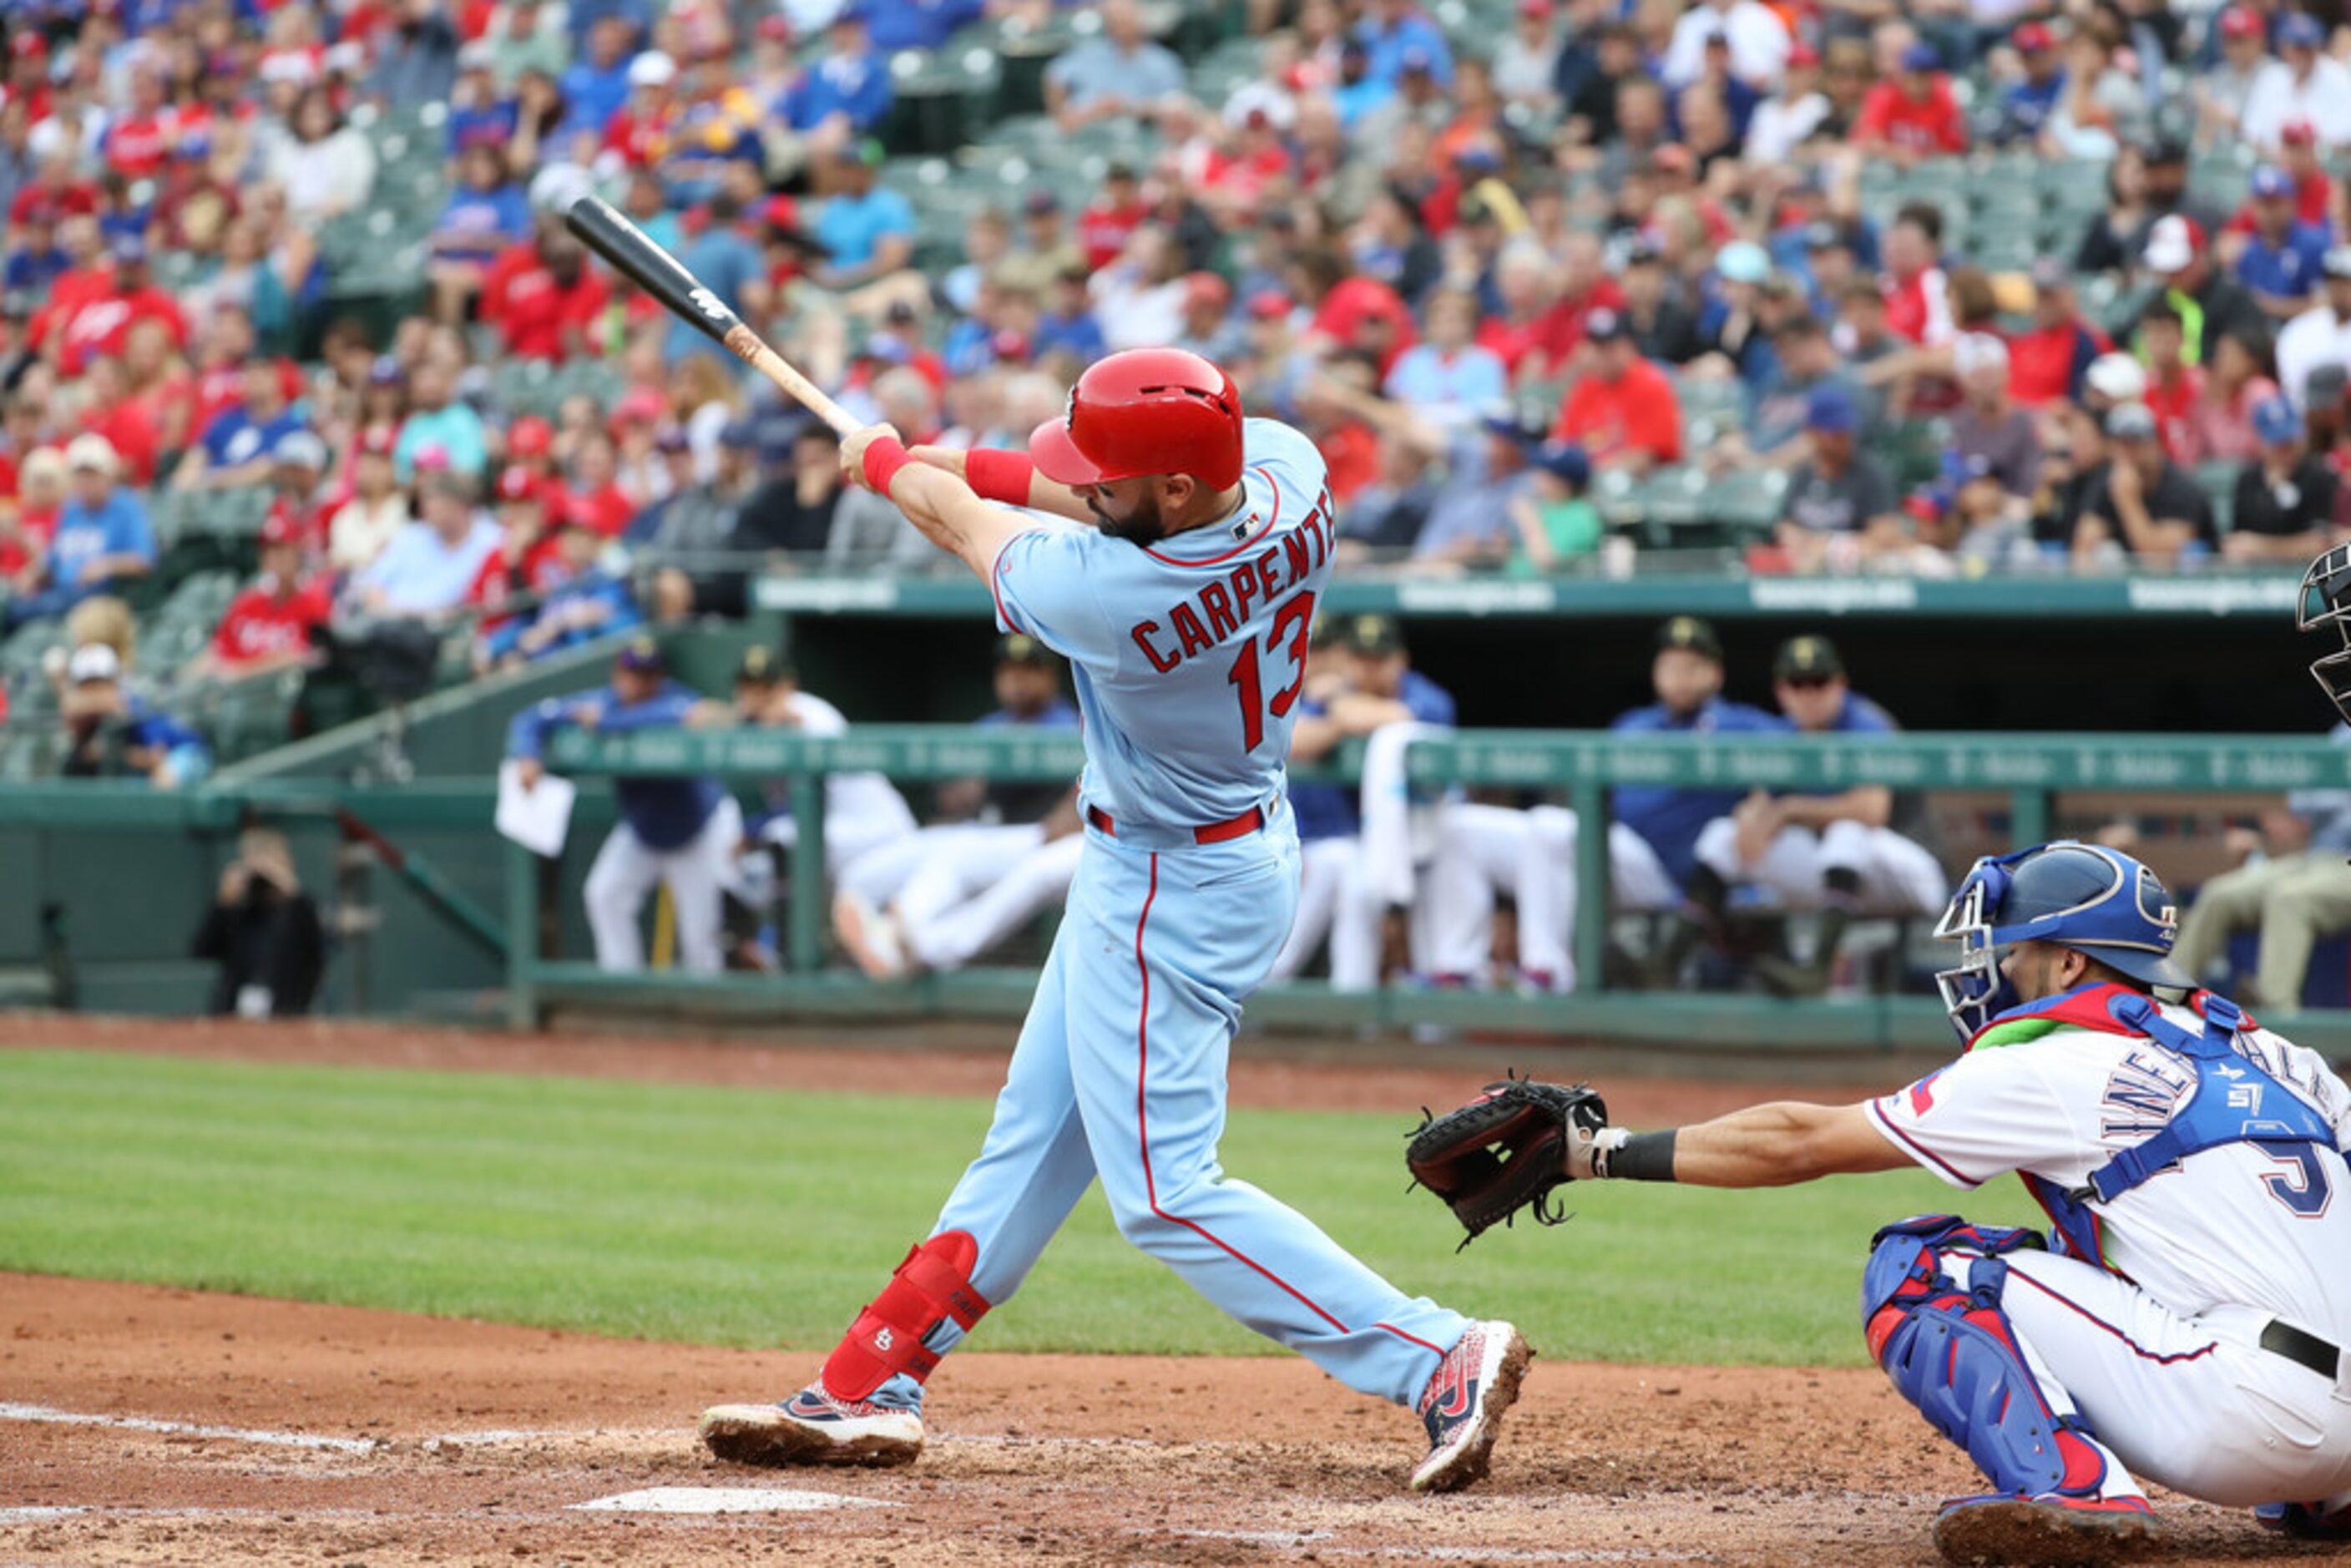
636, 258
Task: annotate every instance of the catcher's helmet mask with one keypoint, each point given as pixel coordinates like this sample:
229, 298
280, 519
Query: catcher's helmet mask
2325, 600
2096, 900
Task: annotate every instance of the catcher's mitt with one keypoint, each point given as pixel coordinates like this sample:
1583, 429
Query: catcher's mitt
1504, 1150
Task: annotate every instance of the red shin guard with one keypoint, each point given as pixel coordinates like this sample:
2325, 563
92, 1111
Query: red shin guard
931, 1286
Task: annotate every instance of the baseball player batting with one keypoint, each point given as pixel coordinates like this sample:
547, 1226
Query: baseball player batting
1185, 610
2184, 1318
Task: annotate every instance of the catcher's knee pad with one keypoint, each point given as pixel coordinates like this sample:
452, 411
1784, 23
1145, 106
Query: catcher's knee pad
1946, 1344
932, 1287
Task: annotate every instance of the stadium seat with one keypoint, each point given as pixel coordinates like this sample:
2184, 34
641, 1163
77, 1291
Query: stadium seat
2217, 480
1748, 501
1675, 496
1621, 498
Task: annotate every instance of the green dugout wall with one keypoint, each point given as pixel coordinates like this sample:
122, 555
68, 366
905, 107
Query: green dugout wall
132, 868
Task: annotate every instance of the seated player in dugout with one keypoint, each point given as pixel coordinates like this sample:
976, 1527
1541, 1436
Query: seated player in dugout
1844, 852
2181, 1322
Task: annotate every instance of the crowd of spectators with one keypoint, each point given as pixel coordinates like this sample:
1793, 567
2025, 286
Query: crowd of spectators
1510, 265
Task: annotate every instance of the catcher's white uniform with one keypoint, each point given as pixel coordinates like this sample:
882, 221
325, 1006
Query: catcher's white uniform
2156, 1328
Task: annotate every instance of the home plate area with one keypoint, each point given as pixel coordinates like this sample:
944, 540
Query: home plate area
143, 1426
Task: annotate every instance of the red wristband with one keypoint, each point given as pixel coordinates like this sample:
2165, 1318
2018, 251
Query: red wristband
998, 475
883, 457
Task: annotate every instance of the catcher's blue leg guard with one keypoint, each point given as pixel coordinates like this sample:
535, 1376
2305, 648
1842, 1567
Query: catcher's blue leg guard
1941, 1336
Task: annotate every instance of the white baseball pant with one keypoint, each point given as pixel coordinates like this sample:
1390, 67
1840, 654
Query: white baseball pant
1484, 849
882, 874
2191, 1402
1335, 898
882, 819
952, 936
1897, 875
695, 871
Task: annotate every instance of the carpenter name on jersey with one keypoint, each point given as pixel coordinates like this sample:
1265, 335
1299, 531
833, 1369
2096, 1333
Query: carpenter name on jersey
1221, 606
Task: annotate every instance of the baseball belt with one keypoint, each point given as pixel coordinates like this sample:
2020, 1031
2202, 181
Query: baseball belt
2307, 1349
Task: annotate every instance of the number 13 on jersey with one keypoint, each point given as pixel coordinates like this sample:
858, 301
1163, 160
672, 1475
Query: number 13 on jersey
1293, 624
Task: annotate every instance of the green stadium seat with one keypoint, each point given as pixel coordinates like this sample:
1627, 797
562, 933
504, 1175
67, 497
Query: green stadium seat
21, 655
1021, 54
1676, 497
2219, 481
2003, 248
1913, 453
1621, 498
1748, 500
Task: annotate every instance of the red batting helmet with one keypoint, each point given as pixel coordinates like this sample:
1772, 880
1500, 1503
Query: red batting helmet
1142, 412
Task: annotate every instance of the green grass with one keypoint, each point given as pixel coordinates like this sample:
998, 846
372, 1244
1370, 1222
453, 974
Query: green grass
738, 1216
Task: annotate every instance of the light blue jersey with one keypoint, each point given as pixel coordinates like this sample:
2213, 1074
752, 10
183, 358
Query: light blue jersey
1189, 659
1189, 655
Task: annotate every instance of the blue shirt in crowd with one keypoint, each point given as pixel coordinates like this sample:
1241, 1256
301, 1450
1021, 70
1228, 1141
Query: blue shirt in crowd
1470, 377
665, 814
118, 527
1079, 335
232, 440
1670, 818
418, 574
918, 23
855, 86
592, 96
851, 226
2293, 268
1385, 48
590, 587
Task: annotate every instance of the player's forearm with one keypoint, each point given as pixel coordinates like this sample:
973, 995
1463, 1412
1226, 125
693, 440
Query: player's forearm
944, 511
1869, 804
1042, 493
1776, 1144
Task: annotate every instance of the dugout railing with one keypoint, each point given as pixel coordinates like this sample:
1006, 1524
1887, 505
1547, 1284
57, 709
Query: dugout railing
2024, 774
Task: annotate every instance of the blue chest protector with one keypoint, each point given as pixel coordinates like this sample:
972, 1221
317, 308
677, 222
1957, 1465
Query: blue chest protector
2234, 1102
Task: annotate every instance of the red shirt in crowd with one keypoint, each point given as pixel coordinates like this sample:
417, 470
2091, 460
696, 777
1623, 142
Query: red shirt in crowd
1890, 115
501, 578
1637, 414
1355, 300
1245, 179
638, 141
1103, 231
1559, 331
70, 201
538, 318
2173, 404
1918, 308
1351, 453
102, 325
2041, 362
607, 511
129, 428
263, 622
38, 525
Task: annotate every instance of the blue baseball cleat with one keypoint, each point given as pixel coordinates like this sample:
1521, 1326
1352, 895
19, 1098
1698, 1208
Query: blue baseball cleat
2047, 1532
812, 1427
1463, 1404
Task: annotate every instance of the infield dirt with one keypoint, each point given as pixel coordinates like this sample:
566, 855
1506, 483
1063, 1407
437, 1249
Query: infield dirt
467, 1442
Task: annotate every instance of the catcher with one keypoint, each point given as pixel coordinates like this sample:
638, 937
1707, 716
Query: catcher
2183, 1319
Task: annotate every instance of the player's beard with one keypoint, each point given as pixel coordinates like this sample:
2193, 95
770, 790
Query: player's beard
1140, 527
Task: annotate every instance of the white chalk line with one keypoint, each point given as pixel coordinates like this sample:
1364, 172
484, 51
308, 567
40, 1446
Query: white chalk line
490, 1437
726, 1500
45, 1415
